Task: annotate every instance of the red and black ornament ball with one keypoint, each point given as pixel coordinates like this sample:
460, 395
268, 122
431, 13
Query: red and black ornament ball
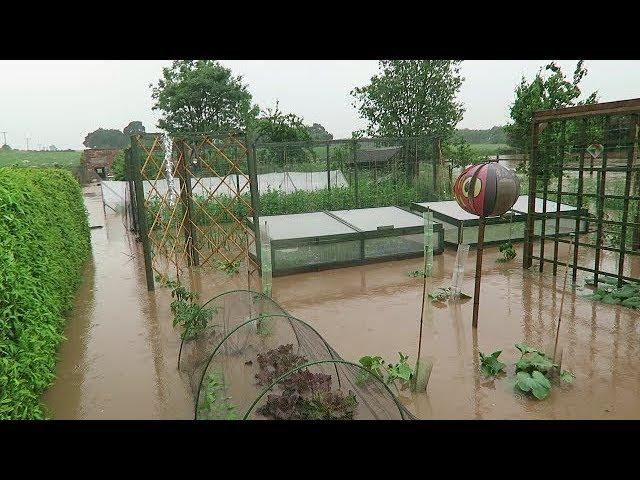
486, 189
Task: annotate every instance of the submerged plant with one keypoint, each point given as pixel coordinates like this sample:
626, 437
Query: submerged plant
508, 252
304, 395
533, 372
186, 312
416, 274
215, 406
490, 366
442, 294
628, 295
390, 373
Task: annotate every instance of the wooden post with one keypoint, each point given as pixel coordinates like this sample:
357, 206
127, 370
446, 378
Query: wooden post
476, 291
142, 218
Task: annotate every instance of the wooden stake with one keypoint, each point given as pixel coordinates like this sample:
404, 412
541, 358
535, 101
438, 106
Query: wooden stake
476, 291
424, 295
564, 288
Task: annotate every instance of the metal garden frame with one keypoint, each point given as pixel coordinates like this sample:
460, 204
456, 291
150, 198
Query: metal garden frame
629, 112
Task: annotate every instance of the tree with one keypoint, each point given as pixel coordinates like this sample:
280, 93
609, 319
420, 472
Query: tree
106, 138
53, 148
318, 132
6, 147
549, 89
412, 98
133, 128
275, 126
202, 96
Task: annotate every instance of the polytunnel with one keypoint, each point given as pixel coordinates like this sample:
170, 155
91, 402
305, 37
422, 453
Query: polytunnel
255, 361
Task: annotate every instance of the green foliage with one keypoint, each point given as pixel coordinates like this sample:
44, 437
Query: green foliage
214, 405
187, 313
628, 295
412, 97
549, 89
508, 252
493, 135
106, 138
534, 369
442, 294
390, 373
490, 366
18, 158
202, 96
44, 244
133, 128
230, 268
117, 167
318, 132
534, 382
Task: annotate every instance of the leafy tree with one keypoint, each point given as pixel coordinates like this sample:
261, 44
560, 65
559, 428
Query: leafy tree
276, 126
411, 98
106, 138
273, 125
318, 132
133, 128
549, 89
202, 96
6, 147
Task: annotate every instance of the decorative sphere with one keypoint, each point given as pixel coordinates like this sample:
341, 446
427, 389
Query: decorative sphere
486, 189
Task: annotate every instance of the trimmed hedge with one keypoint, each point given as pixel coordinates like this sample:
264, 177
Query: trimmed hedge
44, 244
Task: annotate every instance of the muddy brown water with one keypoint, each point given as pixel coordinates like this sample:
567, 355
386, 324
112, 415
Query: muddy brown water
119, 360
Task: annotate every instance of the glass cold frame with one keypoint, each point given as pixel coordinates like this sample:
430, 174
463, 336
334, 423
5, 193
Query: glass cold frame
312, 241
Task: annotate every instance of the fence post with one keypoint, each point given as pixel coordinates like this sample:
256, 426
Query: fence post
355, 171
143, 232
530, 222
255, 196
186, 196
128, 171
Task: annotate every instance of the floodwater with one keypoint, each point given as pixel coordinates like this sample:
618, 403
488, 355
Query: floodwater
119, 360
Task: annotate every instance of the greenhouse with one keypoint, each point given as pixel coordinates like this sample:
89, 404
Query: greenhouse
460, 226
320, 240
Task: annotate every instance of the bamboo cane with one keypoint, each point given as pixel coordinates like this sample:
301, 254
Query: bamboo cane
564, 288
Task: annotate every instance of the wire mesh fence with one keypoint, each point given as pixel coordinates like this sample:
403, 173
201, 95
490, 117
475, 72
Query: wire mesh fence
302, 177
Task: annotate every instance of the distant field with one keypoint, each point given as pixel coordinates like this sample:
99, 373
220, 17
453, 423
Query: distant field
39, 159
490, 148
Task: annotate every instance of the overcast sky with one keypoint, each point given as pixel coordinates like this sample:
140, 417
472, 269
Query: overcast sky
59, 102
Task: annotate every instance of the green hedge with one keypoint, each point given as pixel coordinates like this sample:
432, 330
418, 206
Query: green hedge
44, 244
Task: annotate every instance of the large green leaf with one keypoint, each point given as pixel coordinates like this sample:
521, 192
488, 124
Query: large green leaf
535, 361
490, 365
567, 376
536, 383
524, 348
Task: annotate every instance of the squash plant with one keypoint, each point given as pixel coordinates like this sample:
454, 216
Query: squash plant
533, 371
628, 295
508, 252
490, 366
400, 372
442, 294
